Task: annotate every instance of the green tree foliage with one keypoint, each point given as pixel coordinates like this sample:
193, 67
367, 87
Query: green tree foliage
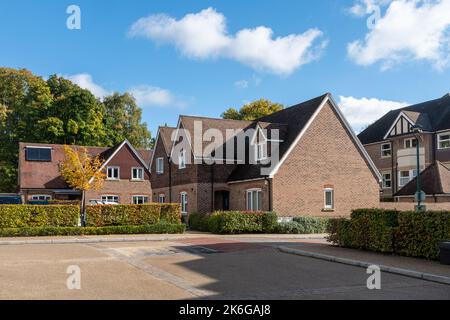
123, 120
253, 110
59, 111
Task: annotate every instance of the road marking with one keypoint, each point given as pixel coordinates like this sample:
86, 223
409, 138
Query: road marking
155, 272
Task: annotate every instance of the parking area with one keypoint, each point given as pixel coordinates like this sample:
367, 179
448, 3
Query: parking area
192, 268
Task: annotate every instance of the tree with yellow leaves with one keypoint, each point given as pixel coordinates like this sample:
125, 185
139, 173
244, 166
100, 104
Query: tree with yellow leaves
82, 172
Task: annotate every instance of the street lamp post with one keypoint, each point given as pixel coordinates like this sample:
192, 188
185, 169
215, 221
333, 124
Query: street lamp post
420, 195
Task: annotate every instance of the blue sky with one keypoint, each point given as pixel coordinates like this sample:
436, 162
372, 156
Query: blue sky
216, 58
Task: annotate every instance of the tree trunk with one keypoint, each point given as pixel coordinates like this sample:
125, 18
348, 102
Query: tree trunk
83, 209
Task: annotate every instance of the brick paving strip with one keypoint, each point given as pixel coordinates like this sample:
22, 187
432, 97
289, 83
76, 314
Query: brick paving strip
342, 255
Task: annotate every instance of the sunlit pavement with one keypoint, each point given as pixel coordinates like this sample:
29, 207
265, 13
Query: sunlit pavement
199, 267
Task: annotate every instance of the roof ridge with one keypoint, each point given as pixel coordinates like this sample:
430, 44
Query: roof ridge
323, 96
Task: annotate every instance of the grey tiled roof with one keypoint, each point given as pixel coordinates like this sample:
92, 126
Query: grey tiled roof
433, 115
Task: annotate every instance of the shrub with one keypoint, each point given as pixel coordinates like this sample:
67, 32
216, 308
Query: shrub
75, 231
312, 224
120, 215
22, 216
414, 234
418, 234
303, 225
199, 221
170, 212
233, 222
269, 222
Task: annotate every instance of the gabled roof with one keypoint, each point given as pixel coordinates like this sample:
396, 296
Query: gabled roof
298, 118
49, 176
434, 180
433, 115
165, 134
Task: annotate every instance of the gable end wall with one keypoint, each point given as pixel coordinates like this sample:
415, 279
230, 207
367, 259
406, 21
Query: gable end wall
326, 155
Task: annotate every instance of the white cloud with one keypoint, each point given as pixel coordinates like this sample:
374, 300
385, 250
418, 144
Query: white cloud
241, 84
85, 81
145, 95
204, 35
410, 30
364, 7
364, 111
149, 96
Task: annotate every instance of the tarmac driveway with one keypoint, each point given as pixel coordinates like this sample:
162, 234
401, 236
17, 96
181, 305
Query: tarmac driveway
191, 268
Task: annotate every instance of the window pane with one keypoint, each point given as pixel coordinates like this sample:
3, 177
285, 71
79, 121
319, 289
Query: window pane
249, 200
254, 200
259, 201
38, 154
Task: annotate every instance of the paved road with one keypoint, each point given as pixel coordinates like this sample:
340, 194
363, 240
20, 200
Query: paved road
197, 268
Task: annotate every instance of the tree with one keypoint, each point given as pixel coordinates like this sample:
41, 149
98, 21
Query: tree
253, 110
82, 172
59, 111
123, 121
75, 117
24, 100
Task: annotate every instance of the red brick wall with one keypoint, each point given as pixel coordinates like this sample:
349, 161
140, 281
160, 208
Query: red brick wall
238, 194
325, 155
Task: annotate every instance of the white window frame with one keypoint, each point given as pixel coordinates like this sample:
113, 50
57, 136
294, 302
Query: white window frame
139, 169
182, 159
385, 180
439, 141
159, 165
161, 198
261, 146
382, 150
134, 197
400, 177
328, 206
35, 197
113, 178
411, 141
106, 196
250, 205
184, 202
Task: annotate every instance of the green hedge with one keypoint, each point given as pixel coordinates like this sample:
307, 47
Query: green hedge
233, 222
415, 234
76, 231
170, 212
122, 215
418, 234
199, 221
303, 225
23, 216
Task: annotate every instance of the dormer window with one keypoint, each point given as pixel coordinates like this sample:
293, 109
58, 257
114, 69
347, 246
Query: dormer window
160, 165
182, 159
261, 151
41, 154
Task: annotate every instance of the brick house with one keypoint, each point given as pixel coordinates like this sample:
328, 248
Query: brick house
128, 175
323, 169
391, 143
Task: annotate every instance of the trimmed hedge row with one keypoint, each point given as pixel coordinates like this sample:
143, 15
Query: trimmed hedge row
234, 222
406, 233
76, 231
303, 225
23, 216
122, 215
